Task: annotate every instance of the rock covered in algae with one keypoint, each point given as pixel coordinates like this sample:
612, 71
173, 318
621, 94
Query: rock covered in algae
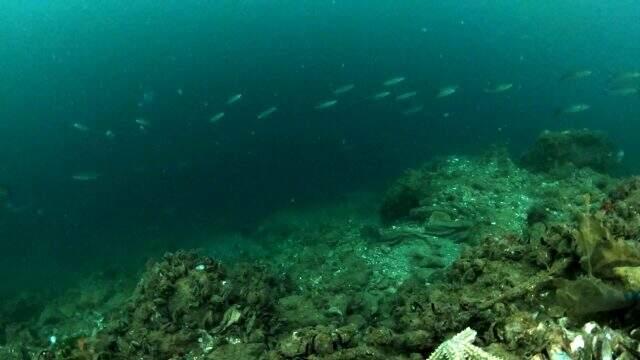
630, 276
555, 150
189, 304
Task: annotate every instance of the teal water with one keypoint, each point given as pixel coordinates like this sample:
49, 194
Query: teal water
102, 65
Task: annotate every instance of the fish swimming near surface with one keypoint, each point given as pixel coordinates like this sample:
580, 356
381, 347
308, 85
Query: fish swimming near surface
499, 88
234, 98
326, 104
624, 91
413, 110
381, 95
573, 109
343, 89
406, 96
85, 176
265, 114
447, 91
575, 75
394, 81
80, 127
217, 117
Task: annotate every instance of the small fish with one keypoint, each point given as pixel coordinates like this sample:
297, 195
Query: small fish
180, 92
394, 81
217, 117
234, 98
109, 134
265, 114
85, 176
626, 76
343, 89
406, 96
142, 122
575, 75
413, 110
573, 109
502, 87
80, 127
447, 91
381, 95
625, 91
326, 104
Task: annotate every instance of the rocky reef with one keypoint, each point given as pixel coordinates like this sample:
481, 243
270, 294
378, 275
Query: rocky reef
468, 257
562, 151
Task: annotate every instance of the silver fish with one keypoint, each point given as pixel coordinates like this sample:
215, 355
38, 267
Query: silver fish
406, 96
109, 134
575, 75
217, 117
234, 98
502, 87
574, 108
85, 176
142, 122
626, 76
625, 91
413, 110
326, 104
343, 89
381, 95
265, 114
447, 91
394, 81
80, 127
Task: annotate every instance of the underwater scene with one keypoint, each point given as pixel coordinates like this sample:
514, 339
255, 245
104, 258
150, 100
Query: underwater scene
319, 179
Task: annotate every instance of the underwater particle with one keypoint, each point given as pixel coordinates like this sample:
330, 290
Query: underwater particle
393, 81
573, 109
234, 98
413, 110
142, 122
200, 267
326, 104
381, 95
623, 91
109, 134
406, 96
499, 88
80, 127
446, 91
343, 89
217, 117
265, 114
85, 176
576, 74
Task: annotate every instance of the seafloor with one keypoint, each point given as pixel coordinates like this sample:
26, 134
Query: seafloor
538, 255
